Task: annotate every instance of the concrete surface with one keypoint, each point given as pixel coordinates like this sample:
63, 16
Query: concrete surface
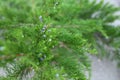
104, 69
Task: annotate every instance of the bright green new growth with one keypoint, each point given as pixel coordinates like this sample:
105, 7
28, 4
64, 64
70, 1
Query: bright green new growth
53, 37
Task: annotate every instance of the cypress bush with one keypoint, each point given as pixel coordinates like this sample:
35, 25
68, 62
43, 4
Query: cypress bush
52, 39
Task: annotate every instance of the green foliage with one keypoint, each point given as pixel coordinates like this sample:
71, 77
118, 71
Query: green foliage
53, 37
